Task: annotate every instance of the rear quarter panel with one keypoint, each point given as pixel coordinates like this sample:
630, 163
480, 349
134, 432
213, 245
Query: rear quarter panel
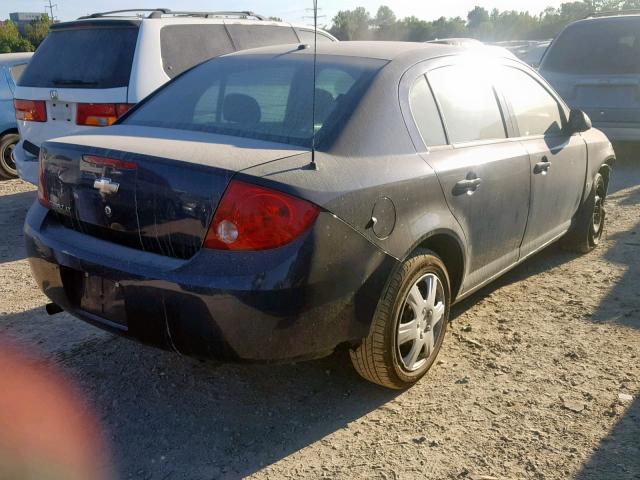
599, 152
372, 160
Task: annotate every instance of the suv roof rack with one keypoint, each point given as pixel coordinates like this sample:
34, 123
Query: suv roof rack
159, 12
614, 13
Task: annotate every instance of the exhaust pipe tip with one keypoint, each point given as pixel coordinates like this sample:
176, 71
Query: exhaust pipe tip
53, 308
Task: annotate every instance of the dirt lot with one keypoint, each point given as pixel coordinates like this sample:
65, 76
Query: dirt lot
533, 381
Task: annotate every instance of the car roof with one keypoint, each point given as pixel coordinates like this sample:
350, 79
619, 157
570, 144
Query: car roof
15, 58
622, 17
382, 50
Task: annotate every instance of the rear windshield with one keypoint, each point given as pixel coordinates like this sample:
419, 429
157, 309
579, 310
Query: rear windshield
97, 57
596, 47
262, 97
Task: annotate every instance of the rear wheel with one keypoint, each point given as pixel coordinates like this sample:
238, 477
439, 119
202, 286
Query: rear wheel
7, 165
409, 324
590, 220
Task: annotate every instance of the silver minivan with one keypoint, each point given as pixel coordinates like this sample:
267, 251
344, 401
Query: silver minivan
595, 65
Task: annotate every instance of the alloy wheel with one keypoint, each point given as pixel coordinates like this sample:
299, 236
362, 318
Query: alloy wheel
420, 324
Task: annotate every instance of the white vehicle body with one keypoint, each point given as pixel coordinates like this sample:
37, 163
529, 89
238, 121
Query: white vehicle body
145, 56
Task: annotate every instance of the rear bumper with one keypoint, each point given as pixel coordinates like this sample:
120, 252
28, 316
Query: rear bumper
298, 301
620, 133
26, 164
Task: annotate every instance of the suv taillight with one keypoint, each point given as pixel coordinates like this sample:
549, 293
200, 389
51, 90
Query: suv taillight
251, 217
30, 110
100, 114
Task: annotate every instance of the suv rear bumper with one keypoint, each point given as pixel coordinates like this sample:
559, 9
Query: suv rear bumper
26, 164
620, 132
299, 301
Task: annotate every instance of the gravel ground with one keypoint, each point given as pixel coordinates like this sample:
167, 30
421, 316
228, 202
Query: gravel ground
539, 377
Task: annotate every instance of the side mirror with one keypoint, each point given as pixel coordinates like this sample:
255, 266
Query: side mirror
578, 122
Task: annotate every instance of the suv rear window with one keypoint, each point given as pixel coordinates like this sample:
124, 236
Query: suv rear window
82, 57
608, 46
261, 97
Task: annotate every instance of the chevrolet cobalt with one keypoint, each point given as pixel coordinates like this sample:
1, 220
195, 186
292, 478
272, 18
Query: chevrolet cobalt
274, 205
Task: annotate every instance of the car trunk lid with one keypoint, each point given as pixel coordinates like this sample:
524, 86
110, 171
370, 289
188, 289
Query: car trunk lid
152, 189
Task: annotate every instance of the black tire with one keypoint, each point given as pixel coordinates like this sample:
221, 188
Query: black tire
379, 357
7, 166
589, 224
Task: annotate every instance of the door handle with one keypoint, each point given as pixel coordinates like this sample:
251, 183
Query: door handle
542, 167
468, 186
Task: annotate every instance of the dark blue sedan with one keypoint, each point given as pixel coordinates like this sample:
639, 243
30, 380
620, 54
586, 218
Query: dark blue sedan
249, 211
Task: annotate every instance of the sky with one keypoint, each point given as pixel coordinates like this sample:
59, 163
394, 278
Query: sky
289, 10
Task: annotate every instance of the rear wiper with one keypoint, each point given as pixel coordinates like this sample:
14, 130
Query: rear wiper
61, 82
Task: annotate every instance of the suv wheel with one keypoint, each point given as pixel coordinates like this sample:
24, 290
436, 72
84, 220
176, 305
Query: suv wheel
7, 165
409, 324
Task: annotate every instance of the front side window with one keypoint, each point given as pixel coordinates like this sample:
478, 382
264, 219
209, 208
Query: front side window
535, 110
468, 104
247, 36
262, 97
184, 46
425, 113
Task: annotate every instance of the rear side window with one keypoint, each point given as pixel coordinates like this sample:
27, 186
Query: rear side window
610, 46
425, 113
97, 57
184, 46
307, 36
536, 111
468, 103
252, 36
17, 71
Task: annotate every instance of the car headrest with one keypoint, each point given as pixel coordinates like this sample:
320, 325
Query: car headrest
242, 109
324, 104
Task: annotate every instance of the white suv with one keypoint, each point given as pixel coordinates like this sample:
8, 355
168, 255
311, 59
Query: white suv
89, 72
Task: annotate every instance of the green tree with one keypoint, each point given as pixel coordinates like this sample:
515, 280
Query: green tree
10, 39
351, 24
37, 30
385, 24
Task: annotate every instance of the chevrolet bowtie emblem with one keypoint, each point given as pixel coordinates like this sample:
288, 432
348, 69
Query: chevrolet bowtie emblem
106, 186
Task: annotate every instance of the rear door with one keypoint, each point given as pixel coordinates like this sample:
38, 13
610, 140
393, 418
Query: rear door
557, 160
485, 177
87, 62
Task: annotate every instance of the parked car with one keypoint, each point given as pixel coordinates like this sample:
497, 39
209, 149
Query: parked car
89, 72
529, 51
11, 67
207, 222
594, 64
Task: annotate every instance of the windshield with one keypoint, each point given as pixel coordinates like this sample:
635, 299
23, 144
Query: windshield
596, 47
262, 97
97, 57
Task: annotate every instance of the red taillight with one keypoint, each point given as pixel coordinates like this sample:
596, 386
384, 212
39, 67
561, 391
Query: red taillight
109, 162
30, 110
100, 114
251, 217
43, 198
